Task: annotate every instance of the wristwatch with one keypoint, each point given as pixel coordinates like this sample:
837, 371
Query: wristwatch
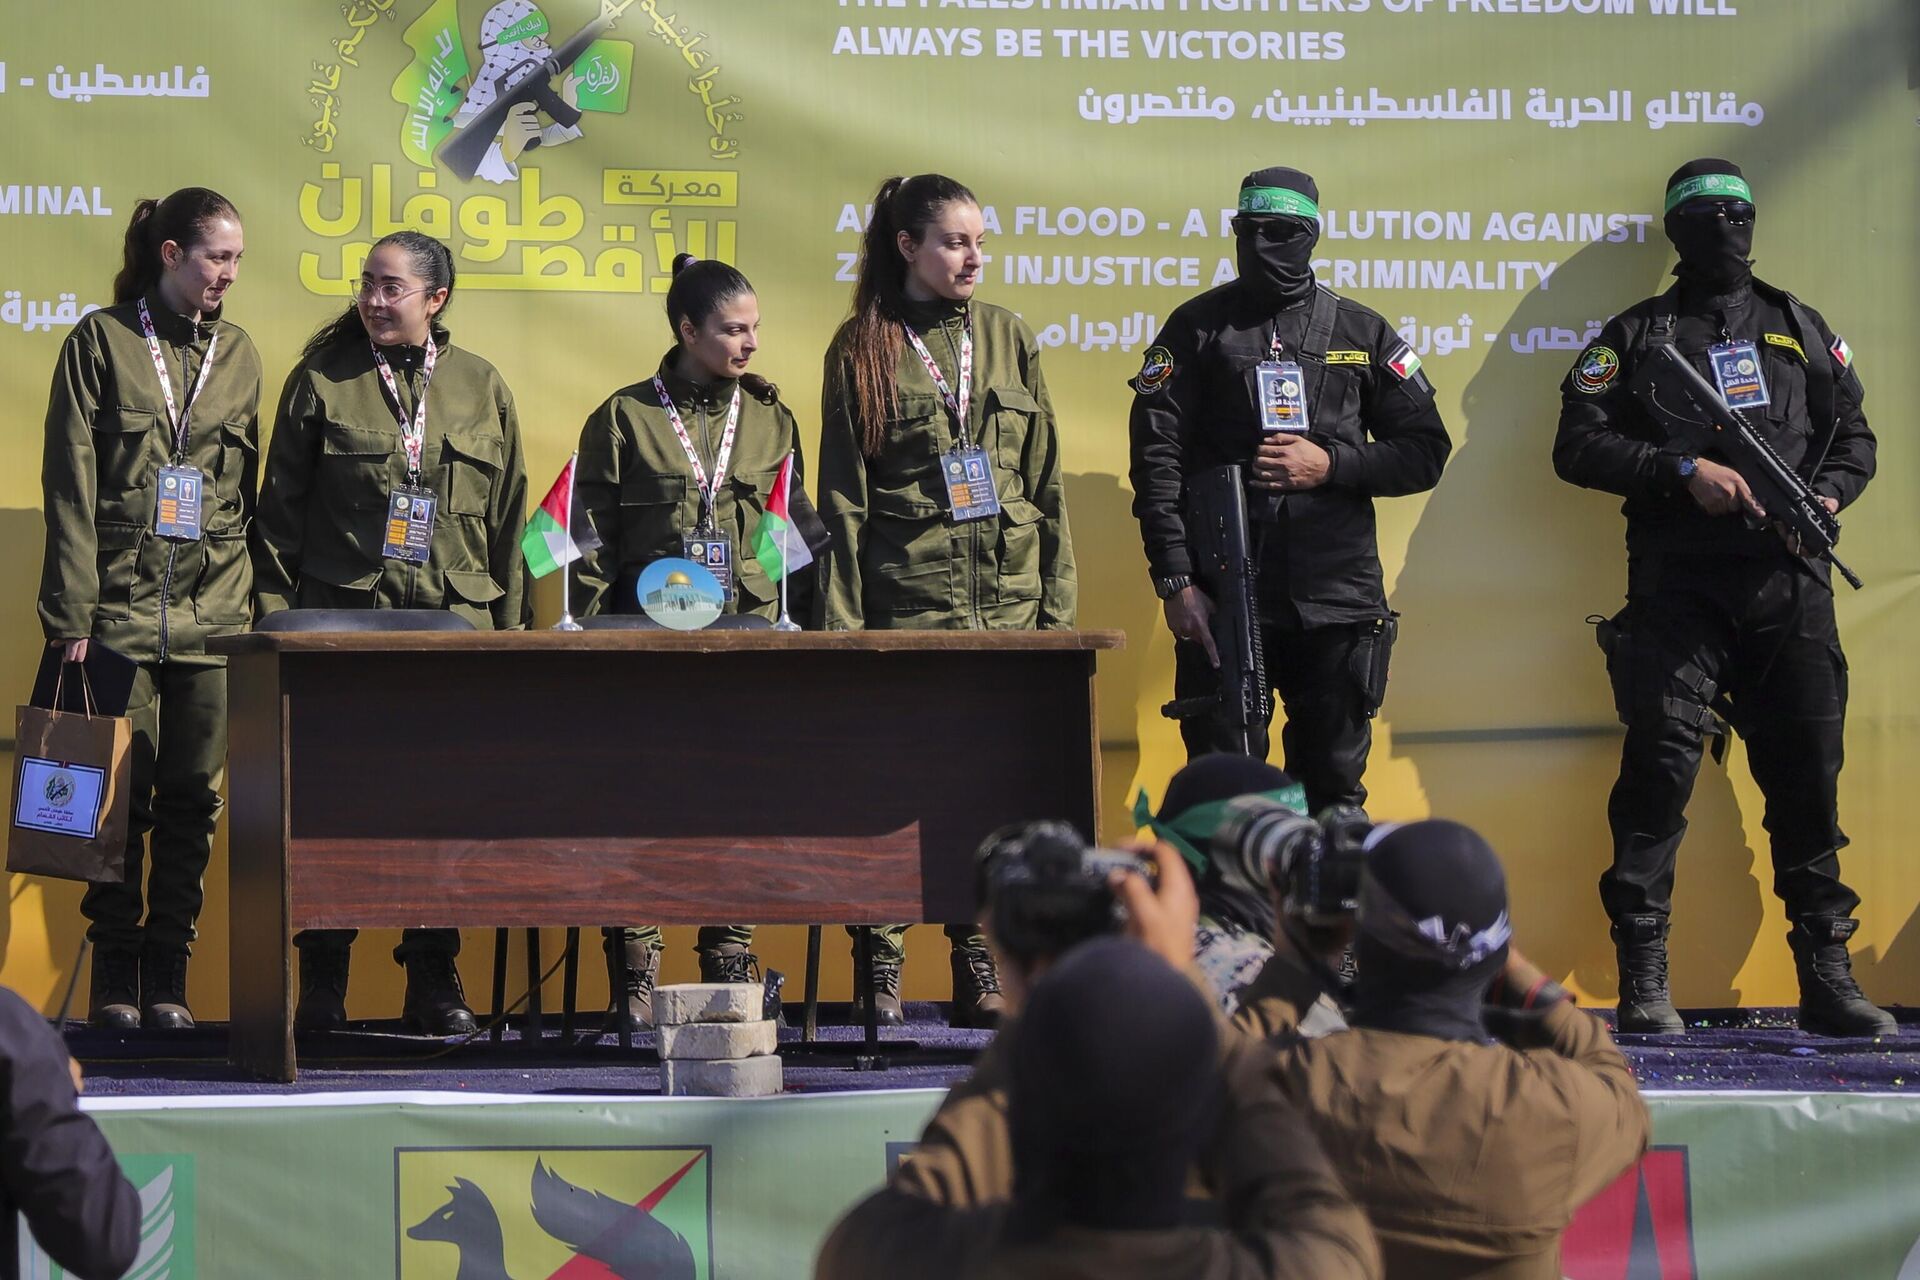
1686, 466
1172, 585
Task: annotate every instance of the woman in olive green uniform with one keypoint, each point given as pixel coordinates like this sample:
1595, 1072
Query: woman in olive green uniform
382, 417
692, 451
155, 395
940, 474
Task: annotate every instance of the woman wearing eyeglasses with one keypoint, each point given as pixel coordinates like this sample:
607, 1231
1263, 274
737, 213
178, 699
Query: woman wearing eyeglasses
394, 480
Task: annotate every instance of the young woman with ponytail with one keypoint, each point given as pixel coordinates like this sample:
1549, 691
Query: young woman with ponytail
940, 474
690, 451
156, 396
385, 417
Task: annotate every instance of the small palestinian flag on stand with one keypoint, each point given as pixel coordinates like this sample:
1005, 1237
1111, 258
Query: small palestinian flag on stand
777, 541
560, 531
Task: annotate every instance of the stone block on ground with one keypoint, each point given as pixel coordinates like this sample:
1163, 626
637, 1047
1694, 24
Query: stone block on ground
710, 1041
707, 1002
739, 1078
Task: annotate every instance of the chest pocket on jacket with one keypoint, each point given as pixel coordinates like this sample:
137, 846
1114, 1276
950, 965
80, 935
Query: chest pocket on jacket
909, 464
650, 517
469, 467
1786, 390
238, 454
1010, 417
353, 466
126, 448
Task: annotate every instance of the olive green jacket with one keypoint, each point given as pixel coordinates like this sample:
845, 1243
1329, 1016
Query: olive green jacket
335, 459
634, 479
898, 561
106, 576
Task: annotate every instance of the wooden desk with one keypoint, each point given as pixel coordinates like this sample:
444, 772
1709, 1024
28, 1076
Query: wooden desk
623, 777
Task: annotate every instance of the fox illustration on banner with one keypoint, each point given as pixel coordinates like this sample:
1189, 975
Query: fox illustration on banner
615, 1213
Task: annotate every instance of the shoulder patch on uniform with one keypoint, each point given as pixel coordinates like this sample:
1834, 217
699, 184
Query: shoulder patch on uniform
1155, 368
1348, 357
1842, 353
1403, 363
1782, 340
1597, 370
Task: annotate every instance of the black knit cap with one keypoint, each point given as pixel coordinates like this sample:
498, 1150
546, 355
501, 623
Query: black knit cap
1281, 176
1218, 775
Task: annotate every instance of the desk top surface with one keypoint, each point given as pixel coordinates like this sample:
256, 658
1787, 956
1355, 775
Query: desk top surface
662, 641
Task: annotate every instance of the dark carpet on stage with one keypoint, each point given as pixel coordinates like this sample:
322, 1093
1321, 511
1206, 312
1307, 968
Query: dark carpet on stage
1723, 1049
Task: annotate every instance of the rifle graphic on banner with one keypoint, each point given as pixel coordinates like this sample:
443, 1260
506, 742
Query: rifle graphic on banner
466, 148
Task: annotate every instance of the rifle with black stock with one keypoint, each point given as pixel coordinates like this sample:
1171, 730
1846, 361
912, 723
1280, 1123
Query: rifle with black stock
466, 147
1223, 563
1692, 412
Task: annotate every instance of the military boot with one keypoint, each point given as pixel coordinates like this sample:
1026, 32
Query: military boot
730, 962
113, 1000
977, 1001
887, 1011
1640, 945
1830, 1000
435, 1004
323, 987
633, 968
163, 989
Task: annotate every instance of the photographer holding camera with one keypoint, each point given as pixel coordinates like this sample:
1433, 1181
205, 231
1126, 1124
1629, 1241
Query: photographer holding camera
1469, 1153
1276, 890
1110, 1084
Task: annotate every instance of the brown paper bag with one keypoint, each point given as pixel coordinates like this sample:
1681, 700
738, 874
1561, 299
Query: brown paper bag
71, 787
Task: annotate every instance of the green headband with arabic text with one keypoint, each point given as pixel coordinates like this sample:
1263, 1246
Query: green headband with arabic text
1191, 829
1723, 186
534, 24
1278, 200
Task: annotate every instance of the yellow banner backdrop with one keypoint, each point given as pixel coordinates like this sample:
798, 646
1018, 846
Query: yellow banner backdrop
1491, 172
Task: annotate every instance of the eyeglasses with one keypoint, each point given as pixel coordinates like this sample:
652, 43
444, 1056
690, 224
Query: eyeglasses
388, 293
1737, 213
1271, 229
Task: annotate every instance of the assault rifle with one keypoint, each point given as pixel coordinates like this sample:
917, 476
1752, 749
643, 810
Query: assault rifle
467, 146
1689, 409
1223, 564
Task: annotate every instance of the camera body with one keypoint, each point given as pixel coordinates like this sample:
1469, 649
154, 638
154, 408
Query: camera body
1312, 863
1044, 888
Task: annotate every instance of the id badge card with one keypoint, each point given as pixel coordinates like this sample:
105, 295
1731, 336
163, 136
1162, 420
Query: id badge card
714, 553
1283, 396
970, 490
409, 534
177, 514
1736, 367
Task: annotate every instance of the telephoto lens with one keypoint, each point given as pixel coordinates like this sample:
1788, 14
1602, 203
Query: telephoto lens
1257, 841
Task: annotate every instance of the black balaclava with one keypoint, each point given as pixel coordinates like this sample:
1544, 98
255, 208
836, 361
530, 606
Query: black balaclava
1433, 930
1114, 1086
1715, 255
1278, 272
1190, 812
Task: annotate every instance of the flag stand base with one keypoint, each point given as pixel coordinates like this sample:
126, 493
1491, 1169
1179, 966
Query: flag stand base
786, 624
566, 623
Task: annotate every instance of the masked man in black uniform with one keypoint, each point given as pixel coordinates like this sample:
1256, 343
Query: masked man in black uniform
1326, 408
1722, 616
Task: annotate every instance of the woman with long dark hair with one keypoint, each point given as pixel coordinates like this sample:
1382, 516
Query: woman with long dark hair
394, 481
940, 475
152, 454
686, 456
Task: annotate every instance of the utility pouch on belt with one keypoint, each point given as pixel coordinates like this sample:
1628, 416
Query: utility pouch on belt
1368, 662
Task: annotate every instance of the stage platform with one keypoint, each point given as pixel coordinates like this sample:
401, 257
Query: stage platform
1775, 1153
